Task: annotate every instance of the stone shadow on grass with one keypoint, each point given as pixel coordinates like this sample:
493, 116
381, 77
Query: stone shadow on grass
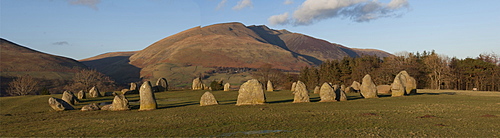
179, 105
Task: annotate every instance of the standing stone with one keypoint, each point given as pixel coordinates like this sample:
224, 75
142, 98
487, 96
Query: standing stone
386, 89
197, 84
94, 92
82, 95
227, 87
368, 88
327, 93
411, 85
208, 99
316, 90
355, 86
69, 97
59, 104
91, 107
397, 87
269, 86
343, 96
293, 86
133, 86
251, 93
300, 94
120, 103
162, 85
147, 97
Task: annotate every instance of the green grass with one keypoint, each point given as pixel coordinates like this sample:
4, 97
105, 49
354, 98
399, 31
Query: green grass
431, 114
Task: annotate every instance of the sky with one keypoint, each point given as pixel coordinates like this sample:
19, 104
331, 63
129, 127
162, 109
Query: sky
85, 28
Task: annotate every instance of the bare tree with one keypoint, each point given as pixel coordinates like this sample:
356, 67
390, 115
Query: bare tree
23, 85
86, 79
266, 73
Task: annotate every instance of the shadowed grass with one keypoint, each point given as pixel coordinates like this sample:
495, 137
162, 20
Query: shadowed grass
428, 114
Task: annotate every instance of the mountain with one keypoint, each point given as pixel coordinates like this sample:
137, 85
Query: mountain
199, 50
18, 60
115, 65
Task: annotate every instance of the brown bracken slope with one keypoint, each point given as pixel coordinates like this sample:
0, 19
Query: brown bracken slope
116, 65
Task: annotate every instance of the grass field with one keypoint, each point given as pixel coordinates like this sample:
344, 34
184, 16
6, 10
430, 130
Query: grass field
431, 113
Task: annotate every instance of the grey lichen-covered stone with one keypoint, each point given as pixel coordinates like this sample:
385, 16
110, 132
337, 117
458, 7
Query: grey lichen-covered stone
162, 85
59, 104
293, 86
147, 97
107, 107
411, 85
327, 93
69, 97
403, 84
82, 95
208, 99
368, 88
251, 93
270, 86
227, 87
301, 94
197, 84
91, 107
94, 92
385, 89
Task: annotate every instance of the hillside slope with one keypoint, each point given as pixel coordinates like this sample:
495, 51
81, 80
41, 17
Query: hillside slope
16, 60
115, 65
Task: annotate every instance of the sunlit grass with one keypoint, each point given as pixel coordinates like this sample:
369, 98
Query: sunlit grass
429, 114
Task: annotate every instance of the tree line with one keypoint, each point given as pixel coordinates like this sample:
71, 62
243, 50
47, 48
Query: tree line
431, 70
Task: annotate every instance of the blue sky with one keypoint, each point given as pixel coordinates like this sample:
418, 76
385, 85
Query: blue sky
84, 28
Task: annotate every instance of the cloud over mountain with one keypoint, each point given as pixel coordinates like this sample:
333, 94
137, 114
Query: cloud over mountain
243, 4
312, 11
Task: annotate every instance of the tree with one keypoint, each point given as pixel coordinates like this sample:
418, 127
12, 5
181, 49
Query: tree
266, 73
86, 79
23, 85
437, 68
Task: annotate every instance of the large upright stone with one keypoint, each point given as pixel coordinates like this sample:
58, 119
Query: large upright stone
403, 84
120, 103
162, 85
300, 94
197, 84
147, 97
94, 92
368, 88
59, 104
294, 84
411, 85
251, 93
327, 93
227, 86
82, 95
270, 86
316, 90
208, 99
69, 97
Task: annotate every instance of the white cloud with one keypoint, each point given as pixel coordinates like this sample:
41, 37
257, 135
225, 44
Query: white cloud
89, 3
221, 5
279, 19
288, 2
356, 10
243, 4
